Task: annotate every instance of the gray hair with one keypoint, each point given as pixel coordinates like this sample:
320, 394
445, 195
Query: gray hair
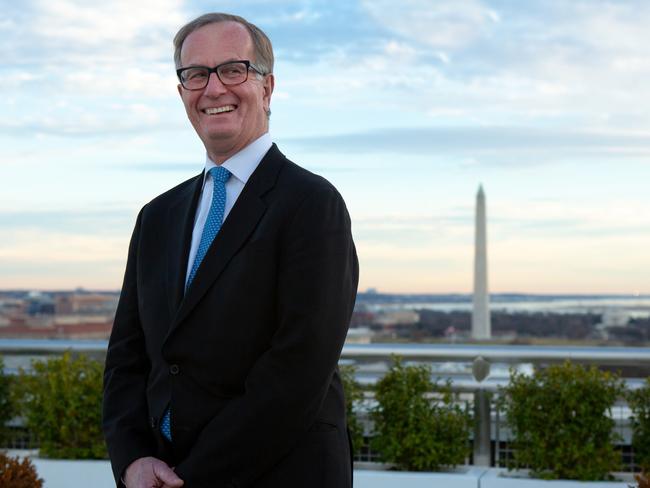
262, 48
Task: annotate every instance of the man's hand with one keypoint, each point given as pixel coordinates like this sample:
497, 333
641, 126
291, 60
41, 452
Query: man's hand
149, 472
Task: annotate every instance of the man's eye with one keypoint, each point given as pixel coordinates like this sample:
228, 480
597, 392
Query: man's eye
196, 75
232, 71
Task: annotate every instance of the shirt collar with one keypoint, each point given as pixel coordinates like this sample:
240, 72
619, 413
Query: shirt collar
242, 164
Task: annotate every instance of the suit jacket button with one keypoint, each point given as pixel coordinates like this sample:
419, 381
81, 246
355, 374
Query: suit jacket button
174, 369
153, 422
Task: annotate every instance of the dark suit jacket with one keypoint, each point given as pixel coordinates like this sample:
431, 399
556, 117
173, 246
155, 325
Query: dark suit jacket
247, 358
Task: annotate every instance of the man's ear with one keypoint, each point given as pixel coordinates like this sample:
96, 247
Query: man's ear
269, 84
180, 90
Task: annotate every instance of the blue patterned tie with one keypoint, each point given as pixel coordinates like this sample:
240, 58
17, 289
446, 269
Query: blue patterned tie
212, 225
215, 217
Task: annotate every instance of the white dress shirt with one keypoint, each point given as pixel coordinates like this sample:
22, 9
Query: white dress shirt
241, 166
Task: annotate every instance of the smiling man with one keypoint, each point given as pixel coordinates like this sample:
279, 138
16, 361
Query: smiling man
221, 369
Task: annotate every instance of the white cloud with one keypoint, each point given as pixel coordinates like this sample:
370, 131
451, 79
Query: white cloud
151, 81
18, 78
304, 15
110, 48
86, 58
494, 16
276, 14
442, 24
7, 24
35, 245
399, 49
574, 64
106, 25
557, 218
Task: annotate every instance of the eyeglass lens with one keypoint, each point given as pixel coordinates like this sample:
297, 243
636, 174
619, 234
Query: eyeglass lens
229, 74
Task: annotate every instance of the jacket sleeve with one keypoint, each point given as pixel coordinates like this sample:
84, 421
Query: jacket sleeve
284, 390
125, 418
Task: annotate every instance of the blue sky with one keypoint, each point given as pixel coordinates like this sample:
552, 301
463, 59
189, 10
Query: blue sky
405, 106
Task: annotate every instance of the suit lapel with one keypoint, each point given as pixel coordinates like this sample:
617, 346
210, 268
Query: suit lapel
238, 226
180, 222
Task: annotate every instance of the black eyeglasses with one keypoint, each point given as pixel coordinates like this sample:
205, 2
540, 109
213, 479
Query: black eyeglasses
230, 73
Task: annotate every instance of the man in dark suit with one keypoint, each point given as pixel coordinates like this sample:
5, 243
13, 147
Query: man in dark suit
221, 369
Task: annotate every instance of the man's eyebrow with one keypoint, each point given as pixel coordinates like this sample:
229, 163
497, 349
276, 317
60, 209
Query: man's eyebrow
198, 65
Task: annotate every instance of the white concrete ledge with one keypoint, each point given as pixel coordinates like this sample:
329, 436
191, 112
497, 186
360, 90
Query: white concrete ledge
501, 478
63, 473
464, 477
58, 473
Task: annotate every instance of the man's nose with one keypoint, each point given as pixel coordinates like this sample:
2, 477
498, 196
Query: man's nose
214, 86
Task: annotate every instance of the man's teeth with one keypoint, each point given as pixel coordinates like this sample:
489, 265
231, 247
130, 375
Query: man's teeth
218, 110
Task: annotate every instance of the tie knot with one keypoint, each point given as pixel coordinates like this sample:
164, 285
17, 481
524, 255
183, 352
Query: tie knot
220, 174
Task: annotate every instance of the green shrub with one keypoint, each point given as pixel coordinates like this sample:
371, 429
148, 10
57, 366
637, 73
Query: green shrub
353, 397
15, 473
6, 408
416, 430
560, 424
639, 401
61, 401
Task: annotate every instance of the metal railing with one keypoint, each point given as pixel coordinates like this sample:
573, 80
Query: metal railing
489, 448
621, 356
51, 346
373, 360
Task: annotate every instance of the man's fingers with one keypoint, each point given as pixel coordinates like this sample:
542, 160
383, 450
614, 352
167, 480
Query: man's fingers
149, 472
165, 474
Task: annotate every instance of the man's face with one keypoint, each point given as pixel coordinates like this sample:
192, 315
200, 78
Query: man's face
241, 117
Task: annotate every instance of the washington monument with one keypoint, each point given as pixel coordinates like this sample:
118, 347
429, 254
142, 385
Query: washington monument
481, 328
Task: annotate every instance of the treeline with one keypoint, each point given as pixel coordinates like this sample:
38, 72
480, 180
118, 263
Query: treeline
434, 324
535, 325
637, 330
